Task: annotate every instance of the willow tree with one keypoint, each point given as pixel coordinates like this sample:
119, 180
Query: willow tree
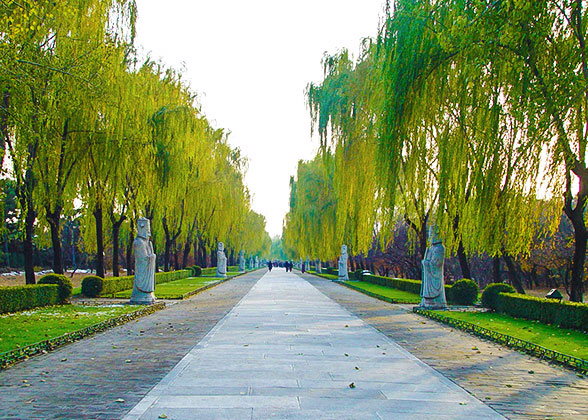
310, 224
342, 112
52, 56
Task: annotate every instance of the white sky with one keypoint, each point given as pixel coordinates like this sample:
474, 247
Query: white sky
250, 61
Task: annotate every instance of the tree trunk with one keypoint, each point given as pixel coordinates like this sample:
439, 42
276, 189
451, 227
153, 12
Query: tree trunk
130, 268
115, 245
54, 220
29, 264
496, 269
167, 255
580, 239
513, 276
213, 261
186, 254
463, 262
176, 260
99, 241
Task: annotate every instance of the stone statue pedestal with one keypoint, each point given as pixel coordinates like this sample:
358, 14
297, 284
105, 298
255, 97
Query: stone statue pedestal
342, 265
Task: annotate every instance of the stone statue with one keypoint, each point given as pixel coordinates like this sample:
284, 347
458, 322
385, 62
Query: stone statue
144, 283
256, 261
433, 286
343, 274
319, 268
221, 261
241, 261
307, 263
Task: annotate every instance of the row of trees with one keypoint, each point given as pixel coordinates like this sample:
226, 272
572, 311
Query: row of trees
89, 132
466, 115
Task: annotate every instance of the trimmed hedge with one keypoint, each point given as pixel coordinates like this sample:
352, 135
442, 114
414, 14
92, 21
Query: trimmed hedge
408, 285
210, 271
356, 275
463, 292
548, 311
92, 286
64, 284
111, 285
20, 298
196, 271
490, 294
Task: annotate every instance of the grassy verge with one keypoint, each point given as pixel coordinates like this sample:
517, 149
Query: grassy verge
385, 293
176, 289
570, 342
21, 329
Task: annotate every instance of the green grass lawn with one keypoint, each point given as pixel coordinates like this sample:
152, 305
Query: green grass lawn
399, 296
570, 342
20, 329
175, 289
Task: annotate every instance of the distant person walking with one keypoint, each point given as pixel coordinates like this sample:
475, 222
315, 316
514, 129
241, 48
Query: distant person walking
270, 265
303, 267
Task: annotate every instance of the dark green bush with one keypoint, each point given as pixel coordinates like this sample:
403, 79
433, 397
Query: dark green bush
20, 298
92, 286
463, 292
196, 271
356, 275
548, 311
333, 271
490, 294
65, 286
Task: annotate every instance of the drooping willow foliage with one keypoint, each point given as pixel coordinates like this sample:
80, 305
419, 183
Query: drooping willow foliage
88, 132
466, 115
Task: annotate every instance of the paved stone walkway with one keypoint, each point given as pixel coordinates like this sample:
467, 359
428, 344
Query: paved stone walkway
83, 380
516, 385
287, 351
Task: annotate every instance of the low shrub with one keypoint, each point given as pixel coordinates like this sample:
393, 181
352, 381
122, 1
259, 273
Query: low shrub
356, 275
92, 286
463, 292
548, 311
196, 271
490, 294
412, 286
331, 270
210, 271
20, 298
64, 284
111, 285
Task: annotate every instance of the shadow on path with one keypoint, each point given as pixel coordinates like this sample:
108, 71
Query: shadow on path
84, 380
494, 374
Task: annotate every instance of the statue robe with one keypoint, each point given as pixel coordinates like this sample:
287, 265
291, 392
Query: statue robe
433, 286
144, 284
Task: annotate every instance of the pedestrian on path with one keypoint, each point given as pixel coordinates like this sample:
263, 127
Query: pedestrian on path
303, 267
270, 265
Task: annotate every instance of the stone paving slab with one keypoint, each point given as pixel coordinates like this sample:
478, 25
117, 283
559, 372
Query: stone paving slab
300, 355
516, 385
95, 373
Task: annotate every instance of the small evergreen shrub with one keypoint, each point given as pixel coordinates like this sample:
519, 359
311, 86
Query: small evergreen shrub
356, 275
20, 298
463, 292
196, 271
490, 294
64, 284
92, 286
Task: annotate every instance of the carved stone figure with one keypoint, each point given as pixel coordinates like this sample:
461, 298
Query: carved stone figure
221, 261
144, 283
433, 286
343, 274
307, 263
319, 268
256, 261
241, 261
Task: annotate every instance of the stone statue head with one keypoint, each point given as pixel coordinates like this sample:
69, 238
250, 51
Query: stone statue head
344, 250
221, 246
143, 228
